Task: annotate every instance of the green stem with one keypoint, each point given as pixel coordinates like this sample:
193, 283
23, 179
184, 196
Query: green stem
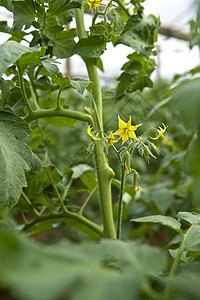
104, 172
105, 175
67, 189
30, 204
44, 113
176, 263
23, 90
33, 96
68, 215
87, 200
58, 99
91, 68
120, 205
57, 193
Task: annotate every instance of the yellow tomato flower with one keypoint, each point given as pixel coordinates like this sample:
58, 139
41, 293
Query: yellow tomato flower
111, 139
126, 130
160, 132
94, 3
92, 136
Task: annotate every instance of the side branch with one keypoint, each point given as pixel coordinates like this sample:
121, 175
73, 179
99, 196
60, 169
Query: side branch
69, 215
44, 113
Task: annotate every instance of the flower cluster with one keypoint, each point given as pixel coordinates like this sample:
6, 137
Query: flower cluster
125, 131
94, 3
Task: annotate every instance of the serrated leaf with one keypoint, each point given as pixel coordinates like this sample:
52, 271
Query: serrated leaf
136, 75
140, 33
24, 14
93, 46
98, 29
117, 23
63, 42
15, 157
163, 220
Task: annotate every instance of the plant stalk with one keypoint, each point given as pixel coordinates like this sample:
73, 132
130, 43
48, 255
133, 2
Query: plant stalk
104, 172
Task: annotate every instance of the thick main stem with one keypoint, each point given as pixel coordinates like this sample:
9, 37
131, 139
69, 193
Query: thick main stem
104, 172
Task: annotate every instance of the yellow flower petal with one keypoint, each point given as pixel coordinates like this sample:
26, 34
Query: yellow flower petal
129, 122
134, 127
122, 124
111, 139
133, 136
91, 134
126, 130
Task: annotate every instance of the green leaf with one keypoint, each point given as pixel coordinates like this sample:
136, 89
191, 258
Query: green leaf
127, 255
117, 23
93, 46
188, 110
79, 84
50, 66
140, 33
63, 42
184, 288
31, 57
10, 52
58, 7
79, 170
7, 4
192, 218
5, 91
163, 220
53, 172
98, 29
15, 157
89, 179
162, 197
136, 75
24, 14
192, 241
35, 272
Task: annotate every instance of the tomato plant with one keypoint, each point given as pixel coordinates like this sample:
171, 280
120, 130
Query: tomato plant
115, 170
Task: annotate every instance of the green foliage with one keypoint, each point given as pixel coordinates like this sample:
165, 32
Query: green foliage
140, 33
15, 156
76, 270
